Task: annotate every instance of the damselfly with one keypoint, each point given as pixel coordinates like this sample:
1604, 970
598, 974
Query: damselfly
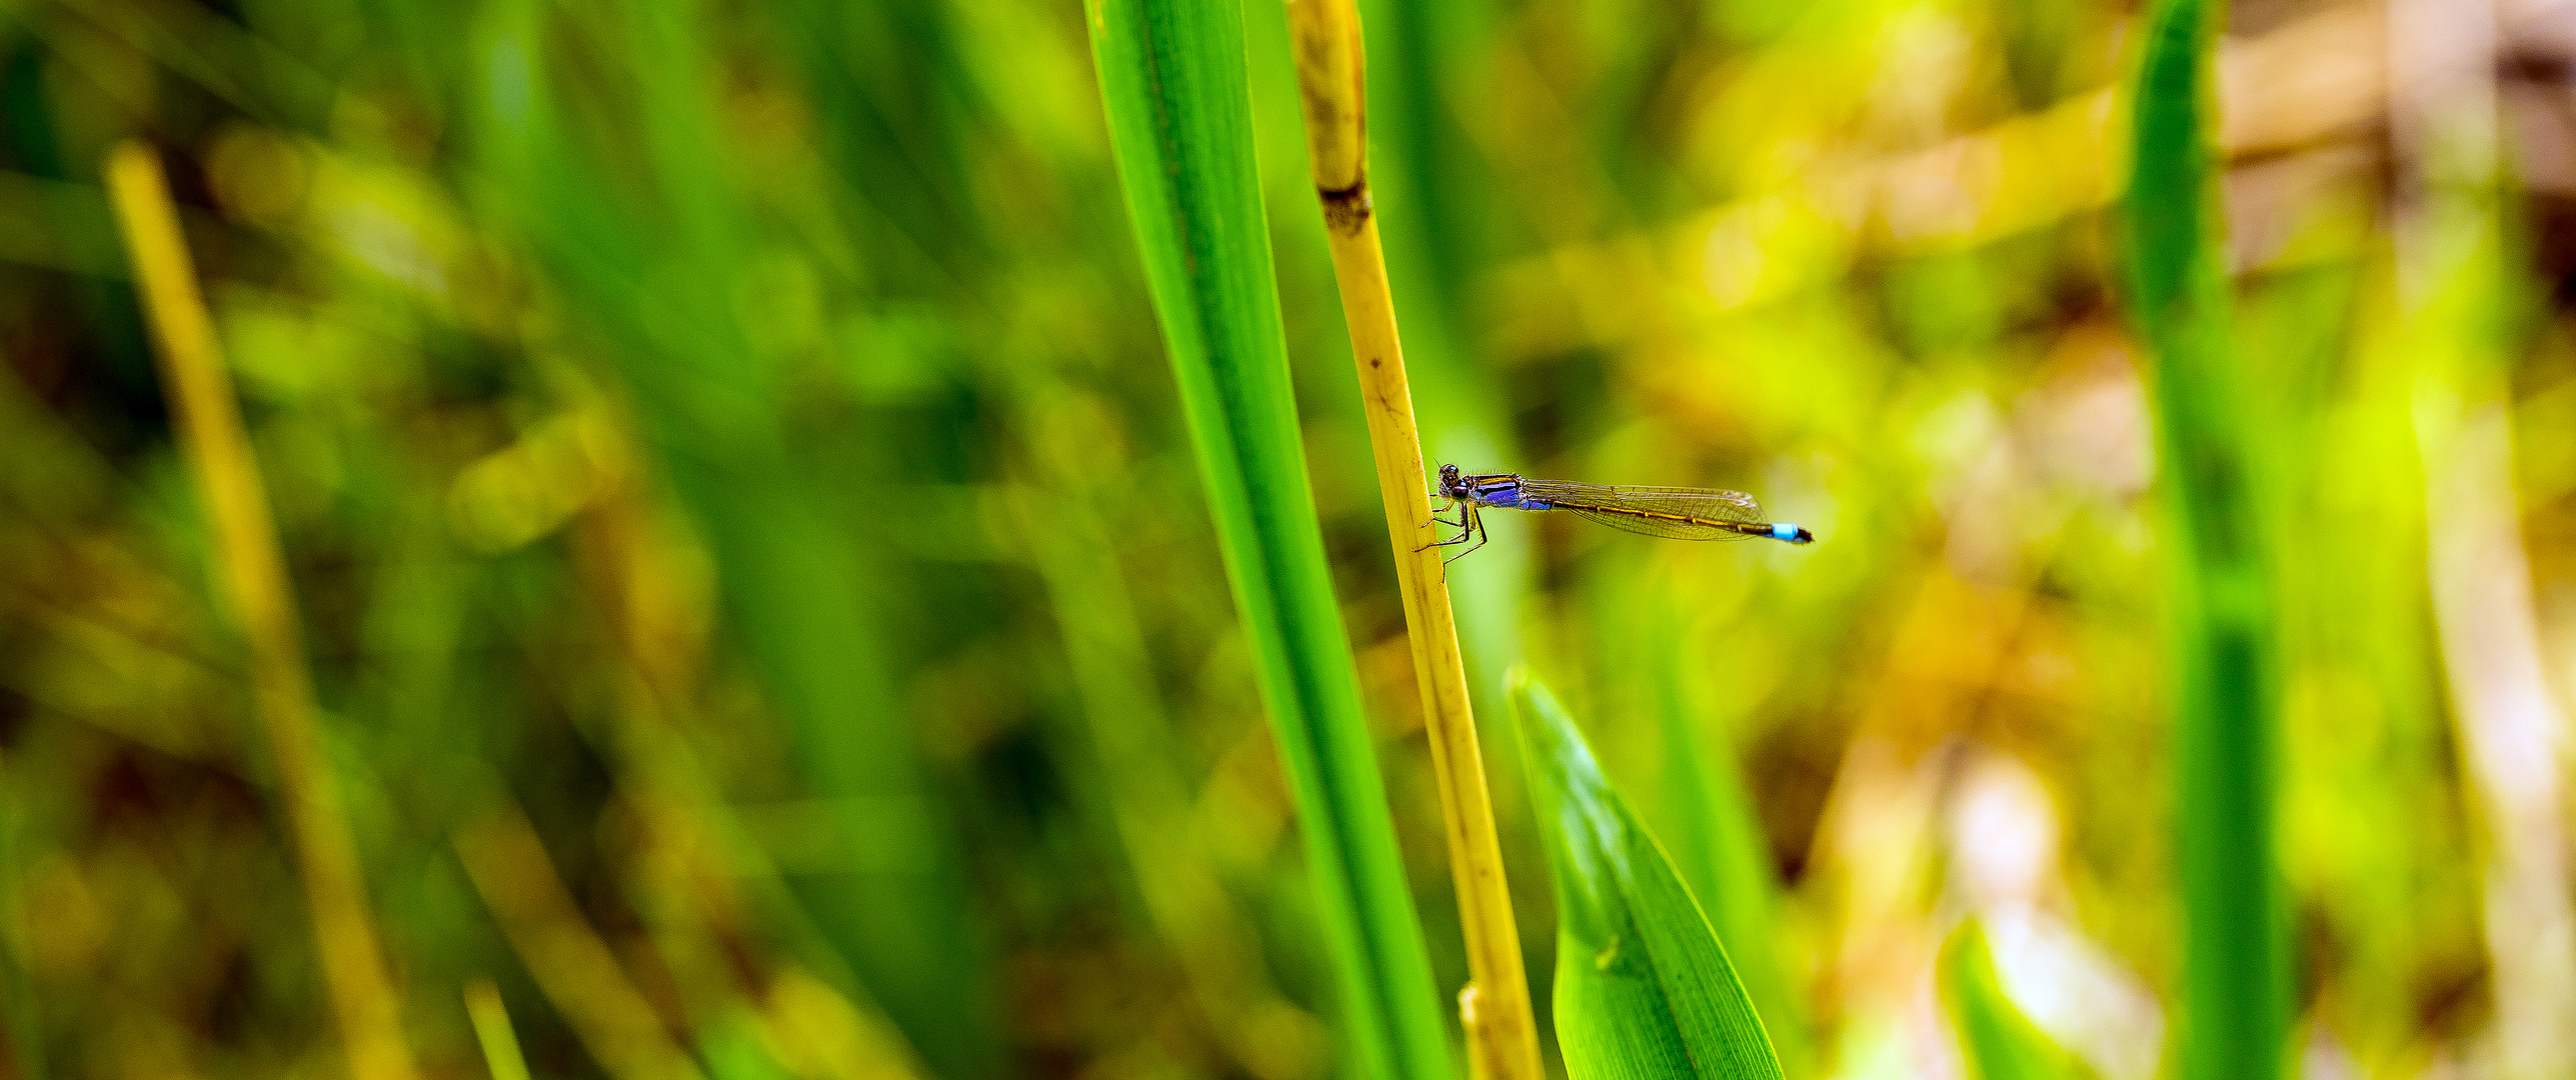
1678, 513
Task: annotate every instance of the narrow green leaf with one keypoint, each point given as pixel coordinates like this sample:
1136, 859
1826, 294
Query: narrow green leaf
1999, 1043
1643, 989
1173, 80
2234, 954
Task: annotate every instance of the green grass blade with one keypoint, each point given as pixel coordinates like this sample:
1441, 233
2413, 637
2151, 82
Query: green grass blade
1643, 989
1173, 81
1998, 1042
2221, 683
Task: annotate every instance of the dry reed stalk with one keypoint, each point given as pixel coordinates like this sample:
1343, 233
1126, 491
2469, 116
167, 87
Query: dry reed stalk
254, 575
1502, 1037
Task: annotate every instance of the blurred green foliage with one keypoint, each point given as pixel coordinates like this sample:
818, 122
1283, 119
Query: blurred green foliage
734, 440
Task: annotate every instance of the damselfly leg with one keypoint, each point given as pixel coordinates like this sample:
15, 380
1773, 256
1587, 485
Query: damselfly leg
1469, 525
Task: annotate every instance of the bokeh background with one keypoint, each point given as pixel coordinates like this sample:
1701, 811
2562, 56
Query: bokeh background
765, 622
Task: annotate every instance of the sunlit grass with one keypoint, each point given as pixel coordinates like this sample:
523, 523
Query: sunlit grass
744, 448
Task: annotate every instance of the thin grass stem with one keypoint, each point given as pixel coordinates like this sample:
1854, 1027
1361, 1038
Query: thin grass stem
1502, 1041
492, 1030
254, 575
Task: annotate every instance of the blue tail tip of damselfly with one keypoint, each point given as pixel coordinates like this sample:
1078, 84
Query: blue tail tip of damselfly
1781, 530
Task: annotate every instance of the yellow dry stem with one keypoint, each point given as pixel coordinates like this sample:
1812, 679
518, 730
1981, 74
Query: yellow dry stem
1330, 72
254, 576
1502, 1038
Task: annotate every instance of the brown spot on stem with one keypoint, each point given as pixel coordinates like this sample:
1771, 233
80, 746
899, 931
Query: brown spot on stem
1345, 209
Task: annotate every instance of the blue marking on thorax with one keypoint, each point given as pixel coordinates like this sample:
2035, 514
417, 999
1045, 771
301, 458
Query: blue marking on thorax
1508, 497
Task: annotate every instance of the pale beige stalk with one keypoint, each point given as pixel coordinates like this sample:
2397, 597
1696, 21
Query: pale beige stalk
1502, 1039
254, 575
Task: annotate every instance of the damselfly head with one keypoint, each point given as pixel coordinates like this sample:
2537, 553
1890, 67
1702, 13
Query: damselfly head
1450, 485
